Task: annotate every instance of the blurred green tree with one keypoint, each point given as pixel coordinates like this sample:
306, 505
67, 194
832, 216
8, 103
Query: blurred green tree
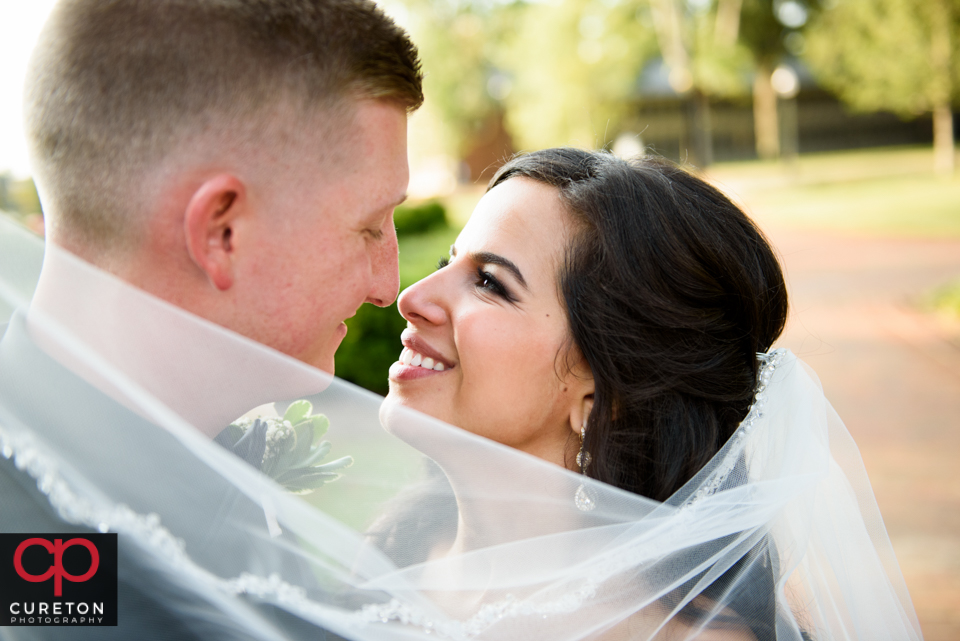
698, 41
574, 67
770, 30
714, 48
18, 196
896, 55
566, 72
458, 44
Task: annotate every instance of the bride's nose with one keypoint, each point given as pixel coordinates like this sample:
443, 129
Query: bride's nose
423, 302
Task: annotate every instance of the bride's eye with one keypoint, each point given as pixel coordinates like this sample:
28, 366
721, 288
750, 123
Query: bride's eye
443, 262
489, 282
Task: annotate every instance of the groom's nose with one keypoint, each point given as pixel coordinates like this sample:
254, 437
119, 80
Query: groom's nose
385, 269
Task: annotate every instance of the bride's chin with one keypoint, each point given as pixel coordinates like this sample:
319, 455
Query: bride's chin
403, 416
402, 395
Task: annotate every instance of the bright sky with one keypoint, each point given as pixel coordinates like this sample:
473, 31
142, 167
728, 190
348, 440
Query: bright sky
21, 20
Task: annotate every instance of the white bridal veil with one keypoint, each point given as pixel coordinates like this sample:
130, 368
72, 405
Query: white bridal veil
415, 529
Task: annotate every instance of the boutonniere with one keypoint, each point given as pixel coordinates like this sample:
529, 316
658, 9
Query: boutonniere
288, 449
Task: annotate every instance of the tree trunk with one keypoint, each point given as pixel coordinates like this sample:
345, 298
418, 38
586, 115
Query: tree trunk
944, 156
941, 53
765, 115
701, 130
727, 26
789, 129
668, 27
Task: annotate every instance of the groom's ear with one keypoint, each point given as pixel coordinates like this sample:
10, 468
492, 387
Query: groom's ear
209, 223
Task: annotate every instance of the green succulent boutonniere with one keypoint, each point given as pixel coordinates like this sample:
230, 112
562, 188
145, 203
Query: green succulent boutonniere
289, 449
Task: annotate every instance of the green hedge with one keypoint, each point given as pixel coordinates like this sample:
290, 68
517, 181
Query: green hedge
420, 218
371, 345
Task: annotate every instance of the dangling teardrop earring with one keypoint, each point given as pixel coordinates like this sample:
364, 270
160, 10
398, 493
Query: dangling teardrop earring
584, 499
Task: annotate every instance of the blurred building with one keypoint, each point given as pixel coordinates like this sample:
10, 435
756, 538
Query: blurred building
667, 121
488, 148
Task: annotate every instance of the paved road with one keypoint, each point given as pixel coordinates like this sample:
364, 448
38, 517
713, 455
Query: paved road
893, 375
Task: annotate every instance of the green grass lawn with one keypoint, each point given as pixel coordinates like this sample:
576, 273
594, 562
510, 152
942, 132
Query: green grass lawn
874, 192
946, 299
885, 192
902, 206
878, 192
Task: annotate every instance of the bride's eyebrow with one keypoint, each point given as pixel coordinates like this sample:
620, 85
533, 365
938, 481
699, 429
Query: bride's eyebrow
489, 258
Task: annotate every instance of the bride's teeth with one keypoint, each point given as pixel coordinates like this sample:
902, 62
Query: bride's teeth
416, 359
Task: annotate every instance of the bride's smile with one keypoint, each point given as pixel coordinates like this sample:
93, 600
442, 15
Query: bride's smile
487, 346
418, 358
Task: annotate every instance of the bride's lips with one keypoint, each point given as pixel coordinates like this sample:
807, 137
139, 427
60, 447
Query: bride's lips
418, 359
416, 343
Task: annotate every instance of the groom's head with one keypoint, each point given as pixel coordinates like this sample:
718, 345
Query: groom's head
239, 158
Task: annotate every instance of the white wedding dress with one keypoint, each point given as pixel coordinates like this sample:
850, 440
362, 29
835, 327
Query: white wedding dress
782, 520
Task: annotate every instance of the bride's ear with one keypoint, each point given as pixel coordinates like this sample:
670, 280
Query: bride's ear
209, 222
582, 406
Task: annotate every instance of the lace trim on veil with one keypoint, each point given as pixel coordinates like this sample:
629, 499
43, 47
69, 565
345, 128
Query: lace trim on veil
148, 532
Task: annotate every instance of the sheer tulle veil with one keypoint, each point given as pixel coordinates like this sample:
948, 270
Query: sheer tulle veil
778, 537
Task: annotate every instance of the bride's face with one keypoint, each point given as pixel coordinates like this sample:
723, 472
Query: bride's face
486, 347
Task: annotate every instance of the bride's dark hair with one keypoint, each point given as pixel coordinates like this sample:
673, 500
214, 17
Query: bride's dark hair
670, 291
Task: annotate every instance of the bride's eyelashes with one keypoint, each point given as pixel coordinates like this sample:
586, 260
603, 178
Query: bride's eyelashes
488, 282
485, 281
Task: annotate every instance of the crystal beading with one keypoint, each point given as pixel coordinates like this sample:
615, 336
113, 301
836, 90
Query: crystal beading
145, 530
584, 499
486, 616
768, 365
148, 532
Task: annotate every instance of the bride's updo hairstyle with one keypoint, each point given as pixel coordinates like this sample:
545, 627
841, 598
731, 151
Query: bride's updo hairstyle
670, 291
